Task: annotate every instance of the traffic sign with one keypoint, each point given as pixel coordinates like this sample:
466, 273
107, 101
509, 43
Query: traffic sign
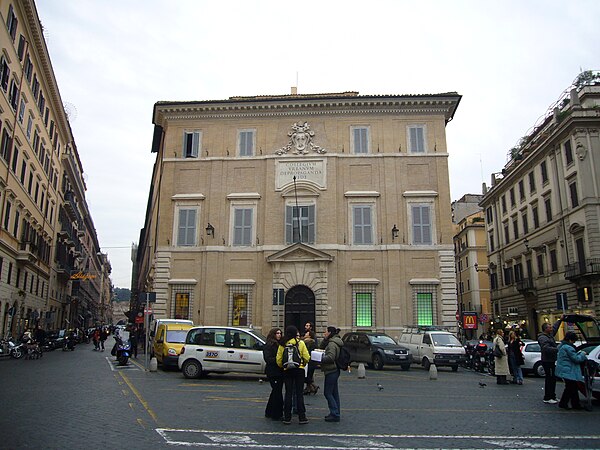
469, 320
148, 311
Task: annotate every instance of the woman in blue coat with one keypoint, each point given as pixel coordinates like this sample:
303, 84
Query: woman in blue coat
568, 367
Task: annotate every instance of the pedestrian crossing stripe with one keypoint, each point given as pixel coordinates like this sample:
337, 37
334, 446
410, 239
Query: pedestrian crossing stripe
115, 367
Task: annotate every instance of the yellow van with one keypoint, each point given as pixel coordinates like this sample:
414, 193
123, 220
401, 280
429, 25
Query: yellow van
168, 341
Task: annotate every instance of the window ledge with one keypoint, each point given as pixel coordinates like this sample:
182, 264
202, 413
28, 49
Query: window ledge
239, 281
419, 194
363, 281
188, 197
414, 281
243, 195
183, 281
361, 194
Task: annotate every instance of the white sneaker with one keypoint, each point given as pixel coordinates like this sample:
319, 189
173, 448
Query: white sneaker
552, 401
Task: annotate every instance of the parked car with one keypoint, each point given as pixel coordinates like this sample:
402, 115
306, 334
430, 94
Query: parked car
533, 358
432, 345
168, 342
376, 350
593, 353
221, 350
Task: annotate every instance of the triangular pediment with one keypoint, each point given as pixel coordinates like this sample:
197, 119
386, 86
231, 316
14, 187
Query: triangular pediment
299, 252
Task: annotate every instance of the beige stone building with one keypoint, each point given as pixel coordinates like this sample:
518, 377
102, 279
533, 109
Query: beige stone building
472, 272
50, 271
543, 215
277, 210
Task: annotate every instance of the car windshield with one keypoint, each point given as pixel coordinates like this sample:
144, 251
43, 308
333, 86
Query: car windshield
176, 336
445, 340
382, 339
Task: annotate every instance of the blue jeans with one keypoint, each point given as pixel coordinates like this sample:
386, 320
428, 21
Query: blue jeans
331, 393
516, 369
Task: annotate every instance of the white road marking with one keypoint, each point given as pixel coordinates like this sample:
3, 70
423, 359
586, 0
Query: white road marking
241, 439
114, 366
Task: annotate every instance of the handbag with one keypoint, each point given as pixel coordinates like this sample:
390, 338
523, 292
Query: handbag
497, 352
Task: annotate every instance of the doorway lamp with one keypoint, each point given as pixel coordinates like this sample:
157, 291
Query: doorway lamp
395, 232
210, 230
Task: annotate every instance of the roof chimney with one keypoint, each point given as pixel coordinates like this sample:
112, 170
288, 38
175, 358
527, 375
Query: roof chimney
294, 90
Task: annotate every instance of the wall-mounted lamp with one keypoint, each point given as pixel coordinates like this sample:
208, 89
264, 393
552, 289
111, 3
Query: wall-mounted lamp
395, 232
210, 230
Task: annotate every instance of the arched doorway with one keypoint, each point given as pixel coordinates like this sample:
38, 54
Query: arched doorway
299, 306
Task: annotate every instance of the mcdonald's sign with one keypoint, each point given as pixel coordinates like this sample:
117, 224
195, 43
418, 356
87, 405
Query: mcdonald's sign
469, 320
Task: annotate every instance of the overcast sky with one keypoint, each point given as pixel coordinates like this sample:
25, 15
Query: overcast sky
113, 59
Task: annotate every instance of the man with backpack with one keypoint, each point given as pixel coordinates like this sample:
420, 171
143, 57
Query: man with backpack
330, 365
292, 357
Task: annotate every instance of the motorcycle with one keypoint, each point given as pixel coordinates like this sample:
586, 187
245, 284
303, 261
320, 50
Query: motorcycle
480, 357
69, 344
123, 351
9, 348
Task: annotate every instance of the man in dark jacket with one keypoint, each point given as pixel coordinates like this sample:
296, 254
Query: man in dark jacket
549, 351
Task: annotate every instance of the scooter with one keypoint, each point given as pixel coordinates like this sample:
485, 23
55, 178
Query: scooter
9, 348
123, 352
480, 357
68, 344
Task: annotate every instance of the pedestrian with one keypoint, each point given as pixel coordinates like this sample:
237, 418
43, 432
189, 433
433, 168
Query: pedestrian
500, 358
568, 368
549, 352
96, 339
515, 356
103, 337
133, 341
332, 343
293, 377
310, 339
274, 409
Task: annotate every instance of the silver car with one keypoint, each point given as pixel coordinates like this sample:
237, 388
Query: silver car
533, 358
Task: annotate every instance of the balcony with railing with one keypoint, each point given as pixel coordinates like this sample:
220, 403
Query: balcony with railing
590, 268
71, 207
526, 286
27, 252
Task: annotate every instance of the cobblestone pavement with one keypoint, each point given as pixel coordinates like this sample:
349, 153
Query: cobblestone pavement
82, 400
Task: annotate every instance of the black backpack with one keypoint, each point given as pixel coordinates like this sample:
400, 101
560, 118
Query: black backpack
291, 357
343, 359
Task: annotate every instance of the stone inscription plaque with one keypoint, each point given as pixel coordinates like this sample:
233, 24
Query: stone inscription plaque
311, 170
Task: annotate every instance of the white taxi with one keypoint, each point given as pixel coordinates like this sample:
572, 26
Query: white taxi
221, 350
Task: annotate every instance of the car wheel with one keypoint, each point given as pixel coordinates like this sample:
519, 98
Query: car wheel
425, 363
191, 369
377, 362
405, 366
538, 369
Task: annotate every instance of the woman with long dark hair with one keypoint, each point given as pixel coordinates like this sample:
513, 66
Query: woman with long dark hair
274, 409
332, 343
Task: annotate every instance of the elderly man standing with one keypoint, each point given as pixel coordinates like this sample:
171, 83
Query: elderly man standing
549, 352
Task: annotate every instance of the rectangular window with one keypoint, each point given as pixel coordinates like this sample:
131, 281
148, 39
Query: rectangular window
417, 139
9, 273
28, 69
553, 261
246, 142
29, 126
11, 23
491, 241
508, 276
186, 228
5, 145
521, 190
421, 225
536, 218
16, 225
525, 223
531, 182
240, 310
512, 197
548, 206
506, 233
424, 308
494, 281
489, 215
242, 226
573, 192
540, 264
22, 110
300, 224
13, 94
516, 228
360, 140
518, 272
182, 306
7, 215
544, 172
4, 73
503, 202
15, 159
21, 47
568, 153
364, 309
362, 224
191, 144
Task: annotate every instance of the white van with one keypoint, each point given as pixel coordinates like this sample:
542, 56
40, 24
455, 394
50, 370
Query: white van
431, 345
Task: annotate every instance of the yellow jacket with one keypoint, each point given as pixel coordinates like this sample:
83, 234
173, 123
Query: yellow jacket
304, 355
